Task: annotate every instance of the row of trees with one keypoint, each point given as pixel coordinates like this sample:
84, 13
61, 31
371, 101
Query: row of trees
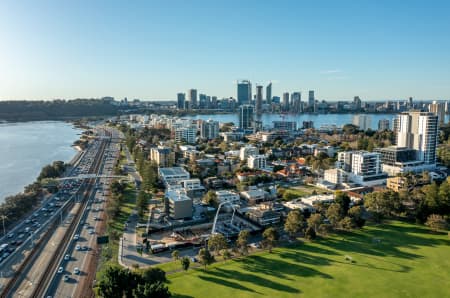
418, 204
117, 282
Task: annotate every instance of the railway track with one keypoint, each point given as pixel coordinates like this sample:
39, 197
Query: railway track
50, 269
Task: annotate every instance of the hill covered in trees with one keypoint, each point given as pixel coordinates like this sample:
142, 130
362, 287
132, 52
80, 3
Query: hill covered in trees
56, 109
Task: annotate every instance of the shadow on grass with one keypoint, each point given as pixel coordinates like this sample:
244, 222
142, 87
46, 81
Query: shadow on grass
226, 283
251, 278
175, 295
279, 268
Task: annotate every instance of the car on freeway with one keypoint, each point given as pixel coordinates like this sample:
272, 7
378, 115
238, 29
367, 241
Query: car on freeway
66, 278
78, 247
60, 270
67, 257
76, 270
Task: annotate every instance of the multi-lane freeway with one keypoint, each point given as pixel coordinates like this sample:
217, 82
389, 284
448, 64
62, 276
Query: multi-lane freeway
58, 253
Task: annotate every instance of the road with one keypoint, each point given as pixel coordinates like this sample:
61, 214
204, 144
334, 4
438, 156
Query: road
84, 251
34, 259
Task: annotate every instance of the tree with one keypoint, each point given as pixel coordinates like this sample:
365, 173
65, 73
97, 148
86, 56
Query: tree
142, 203
382, 203
210, 198
436, 222
242, 241
310, 233
113, 282
314, 221
356, 213
185, 263
270, 236
294, 222
343, 200
158, 289
226, 254
347, 223
217, 242
175, 255
334, 214
205, 257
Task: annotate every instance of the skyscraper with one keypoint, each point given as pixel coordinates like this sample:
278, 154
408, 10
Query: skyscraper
296, 102
192, 98
311, 101
419, 130
181, 99
259, 99
286, 101
246, 113
269, 93
244, 92
357, 103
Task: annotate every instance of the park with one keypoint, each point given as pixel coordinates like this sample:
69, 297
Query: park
394, 259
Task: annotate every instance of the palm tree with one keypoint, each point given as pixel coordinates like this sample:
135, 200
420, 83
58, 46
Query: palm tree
3, 216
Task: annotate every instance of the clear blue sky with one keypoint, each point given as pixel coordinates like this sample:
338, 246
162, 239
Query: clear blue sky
154, 49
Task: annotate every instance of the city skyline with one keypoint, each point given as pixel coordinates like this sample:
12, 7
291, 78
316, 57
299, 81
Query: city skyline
152, 50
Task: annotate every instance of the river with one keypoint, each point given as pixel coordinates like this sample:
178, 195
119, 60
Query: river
26, 147
318, 119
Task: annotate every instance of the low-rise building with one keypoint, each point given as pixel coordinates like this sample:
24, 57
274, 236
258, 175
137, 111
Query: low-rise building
173, 176
193, 187
255, 196
178, 204
227, 196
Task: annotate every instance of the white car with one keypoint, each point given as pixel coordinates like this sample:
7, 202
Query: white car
60, 270
78, 247
66, 257
66, 278
76, 270
76, 237
91, 231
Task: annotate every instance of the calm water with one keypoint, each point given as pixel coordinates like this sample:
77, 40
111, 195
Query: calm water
321, 119
28, 146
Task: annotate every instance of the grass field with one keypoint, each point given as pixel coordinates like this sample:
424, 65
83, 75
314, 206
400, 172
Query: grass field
408, 261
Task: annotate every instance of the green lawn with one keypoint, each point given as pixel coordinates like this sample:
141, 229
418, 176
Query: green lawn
408, 262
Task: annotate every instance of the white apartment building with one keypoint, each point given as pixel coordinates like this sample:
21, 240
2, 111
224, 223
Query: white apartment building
209, 129
186, 134
248, 150
336, 176
419, 131
256, 161
362, 121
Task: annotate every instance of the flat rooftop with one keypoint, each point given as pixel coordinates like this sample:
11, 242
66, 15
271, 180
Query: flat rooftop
173, 171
